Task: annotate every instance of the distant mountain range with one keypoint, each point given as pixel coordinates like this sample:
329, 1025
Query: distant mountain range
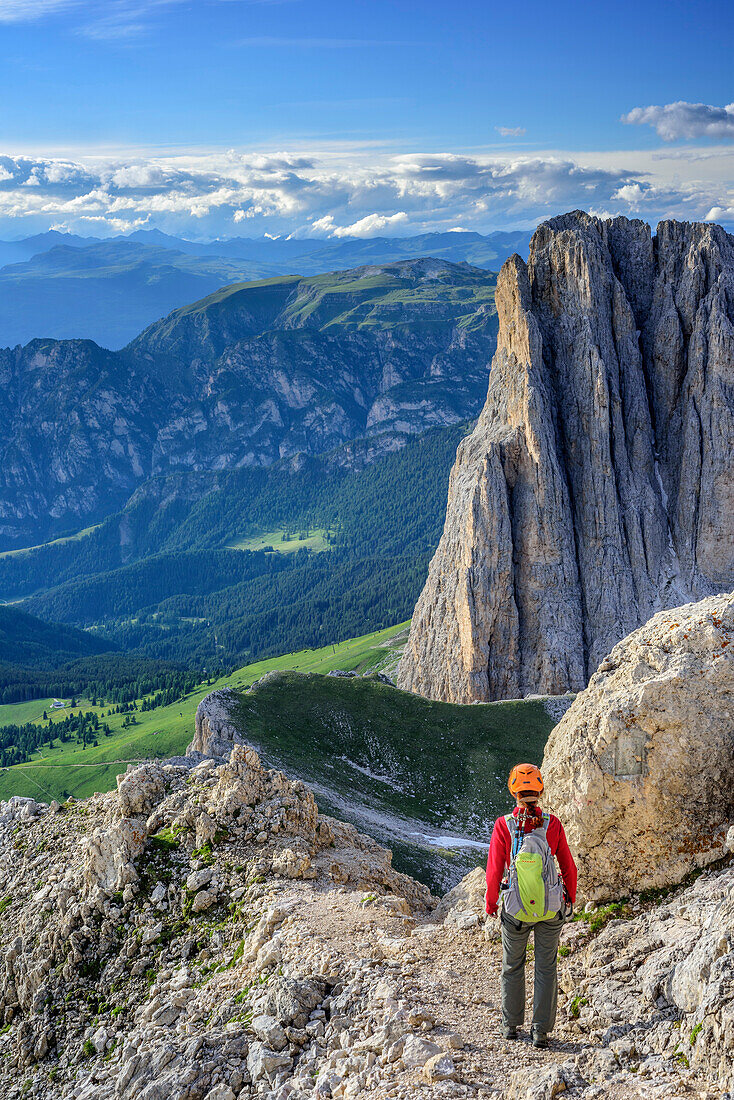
64, 286
249, 375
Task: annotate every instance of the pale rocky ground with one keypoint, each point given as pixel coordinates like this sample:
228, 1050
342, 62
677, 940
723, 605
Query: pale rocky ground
205, 933
603, 451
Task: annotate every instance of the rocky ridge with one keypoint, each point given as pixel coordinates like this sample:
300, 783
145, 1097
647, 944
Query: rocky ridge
597, 486
152, 941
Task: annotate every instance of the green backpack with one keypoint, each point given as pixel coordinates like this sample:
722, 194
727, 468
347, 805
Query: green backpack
534, 889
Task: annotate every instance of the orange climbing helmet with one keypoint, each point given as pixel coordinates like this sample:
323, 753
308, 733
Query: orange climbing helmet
525, 778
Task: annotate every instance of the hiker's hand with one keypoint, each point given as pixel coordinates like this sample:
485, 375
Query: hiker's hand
491, 910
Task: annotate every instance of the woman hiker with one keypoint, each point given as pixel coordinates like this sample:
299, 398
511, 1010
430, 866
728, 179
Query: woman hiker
524, 834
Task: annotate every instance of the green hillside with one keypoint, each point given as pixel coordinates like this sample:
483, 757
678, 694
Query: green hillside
162, 578
383, 297
164, 731
424, 777
62, 285
427, 778
30, 641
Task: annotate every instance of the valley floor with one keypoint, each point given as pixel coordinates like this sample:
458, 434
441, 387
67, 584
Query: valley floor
163, 731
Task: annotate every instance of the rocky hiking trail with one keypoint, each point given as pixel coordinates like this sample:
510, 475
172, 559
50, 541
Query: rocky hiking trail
204, 932
446, 981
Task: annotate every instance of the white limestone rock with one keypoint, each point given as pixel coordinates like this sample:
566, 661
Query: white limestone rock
597, 486
641, 767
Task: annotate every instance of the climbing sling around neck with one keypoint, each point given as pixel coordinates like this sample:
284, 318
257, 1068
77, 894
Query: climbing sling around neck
534, 889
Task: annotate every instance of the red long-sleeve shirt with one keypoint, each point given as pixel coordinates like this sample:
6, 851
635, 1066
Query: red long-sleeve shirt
500, 853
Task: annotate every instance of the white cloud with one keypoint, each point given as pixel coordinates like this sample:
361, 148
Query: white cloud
630, 193
685, 120
324, 225
720, 214
370, 225
352, 191
510, 131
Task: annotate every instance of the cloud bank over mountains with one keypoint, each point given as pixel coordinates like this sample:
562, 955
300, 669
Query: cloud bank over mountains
358, 191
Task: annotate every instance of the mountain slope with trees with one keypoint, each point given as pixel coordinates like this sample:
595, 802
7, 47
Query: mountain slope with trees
250, 375
160, 579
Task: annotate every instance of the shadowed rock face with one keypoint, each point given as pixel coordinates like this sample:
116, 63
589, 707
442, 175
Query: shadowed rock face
597, 486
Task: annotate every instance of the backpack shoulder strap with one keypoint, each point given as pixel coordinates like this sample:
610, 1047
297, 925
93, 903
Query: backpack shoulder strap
516, 837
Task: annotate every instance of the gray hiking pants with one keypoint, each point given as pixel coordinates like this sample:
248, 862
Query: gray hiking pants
515, 935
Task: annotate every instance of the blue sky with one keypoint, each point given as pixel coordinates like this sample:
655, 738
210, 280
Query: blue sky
216, 117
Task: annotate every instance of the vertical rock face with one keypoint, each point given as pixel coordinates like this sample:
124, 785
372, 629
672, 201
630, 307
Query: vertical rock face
597, 486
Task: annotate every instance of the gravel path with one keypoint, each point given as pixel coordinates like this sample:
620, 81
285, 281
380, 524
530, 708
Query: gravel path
451, 978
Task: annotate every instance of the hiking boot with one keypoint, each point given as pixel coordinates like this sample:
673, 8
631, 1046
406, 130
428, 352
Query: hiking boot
509, 1032
540, 1039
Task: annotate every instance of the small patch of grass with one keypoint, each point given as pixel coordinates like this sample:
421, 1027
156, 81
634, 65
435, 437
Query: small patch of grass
88, 1050
242, 1018
576, 1005
597, 918
564, 951
164, 841
695, 1033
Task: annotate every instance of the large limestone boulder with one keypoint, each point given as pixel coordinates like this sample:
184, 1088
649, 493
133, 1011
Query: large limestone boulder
641, 767
677, 957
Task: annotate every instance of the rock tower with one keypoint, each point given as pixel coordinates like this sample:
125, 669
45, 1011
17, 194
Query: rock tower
597, 486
